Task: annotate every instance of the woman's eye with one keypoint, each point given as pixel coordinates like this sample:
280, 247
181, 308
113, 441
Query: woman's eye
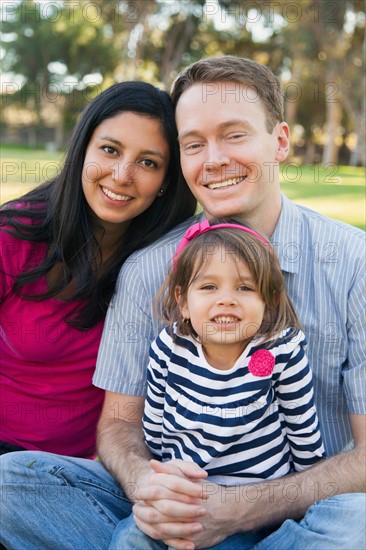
149, 163
109, 149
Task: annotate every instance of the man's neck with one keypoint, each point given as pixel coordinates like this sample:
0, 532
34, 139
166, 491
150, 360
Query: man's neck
264, 219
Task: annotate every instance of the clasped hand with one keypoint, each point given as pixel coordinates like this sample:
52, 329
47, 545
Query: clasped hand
173, 505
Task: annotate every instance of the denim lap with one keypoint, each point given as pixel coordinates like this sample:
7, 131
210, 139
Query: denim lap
337, 523
63, 503
49, 501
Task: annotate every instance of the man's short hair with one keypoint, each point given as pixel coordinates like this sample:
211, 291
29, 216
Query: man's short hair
230, 68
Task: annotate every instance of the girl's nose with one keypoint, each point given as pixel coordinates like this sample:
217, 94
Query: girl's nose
227, 299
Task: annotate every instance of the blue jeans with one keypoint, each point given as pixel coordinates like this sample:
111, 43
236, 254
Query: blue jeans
128, 535
63, 503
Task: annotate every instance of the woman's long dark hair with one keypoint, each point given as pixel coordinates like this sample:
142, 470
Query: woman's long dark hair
57, 214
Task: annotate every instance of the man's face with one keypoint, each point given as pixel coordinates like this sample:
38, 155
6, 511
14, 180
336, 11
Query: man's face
229, 159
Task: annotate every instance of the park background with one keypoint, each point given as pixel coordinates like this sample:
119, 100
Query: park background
57, 55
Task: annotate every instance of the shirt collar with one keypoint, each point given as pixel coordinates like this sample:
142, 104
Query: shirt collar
286, 238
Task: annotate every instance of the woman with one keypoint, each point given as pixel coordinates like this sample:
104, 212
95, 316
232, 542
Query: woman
62, 246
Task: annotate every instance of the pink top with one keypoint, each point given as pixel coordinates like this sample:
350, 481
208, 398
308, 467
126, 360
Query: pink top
48, 401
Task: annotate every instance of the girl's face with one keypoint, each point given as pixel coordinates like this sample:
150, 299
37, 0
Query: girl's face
224, 306
125, 165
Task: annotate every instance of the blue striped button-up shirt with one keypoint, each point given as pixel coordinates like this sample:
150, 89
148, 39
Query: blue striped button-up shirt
323, 262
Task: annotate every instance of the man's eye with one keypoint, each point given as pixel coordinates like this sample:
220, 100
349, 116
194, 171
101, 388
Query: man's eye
192, 147
236, 136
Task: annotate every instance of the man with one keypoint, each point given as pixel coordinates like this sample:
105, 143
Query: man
232, 138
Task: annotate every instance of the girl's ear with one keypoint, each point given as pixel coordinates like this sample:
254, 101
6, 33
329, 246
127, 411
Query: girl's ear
182, 303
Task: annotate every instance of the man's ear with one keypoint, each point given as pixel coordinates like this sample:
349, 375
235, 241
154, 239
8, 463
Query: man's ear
182, 303
283, 141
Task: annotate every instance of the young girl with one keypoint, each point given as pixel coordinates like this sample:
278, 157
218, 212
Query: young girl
61, 248
229, 385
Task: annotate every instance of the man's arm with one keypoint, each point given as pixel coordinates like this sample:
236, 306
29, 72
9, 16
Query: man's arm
123, 452
243, 508
119, 440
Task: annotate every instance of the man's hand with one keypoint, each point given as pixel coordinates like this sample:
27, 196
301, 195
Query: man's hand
179, 507
170, 502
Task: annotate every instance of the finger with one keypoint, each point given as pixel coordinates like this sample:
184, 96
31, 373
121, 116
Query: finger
166, 531
174, 484
159, 492
177, 543
190, 469
169, 510
180, 544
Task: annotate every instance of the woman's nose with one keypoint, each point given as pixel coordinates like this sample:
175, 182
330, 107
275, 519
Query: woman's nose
124, 172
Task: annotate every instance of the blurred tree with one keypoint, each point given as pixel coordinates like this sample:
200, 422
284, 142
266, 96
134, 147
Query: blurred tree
60, 56
316, 47
322, 47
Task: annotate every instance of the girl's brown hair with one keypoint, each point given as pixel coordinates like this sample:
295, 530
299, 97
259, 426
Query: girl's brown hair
262, 263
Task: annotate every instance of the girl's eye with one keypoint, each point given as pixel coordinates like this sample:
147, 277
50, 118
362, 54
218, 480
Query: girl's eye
208, 287
149, 163
244, 288
109, 149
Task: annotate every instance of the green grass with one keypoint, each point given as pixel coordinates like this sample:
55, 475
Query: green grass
336, 191
22, 169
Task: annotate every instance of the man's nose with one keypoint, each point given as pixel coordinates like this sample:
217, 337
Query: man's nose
217, 157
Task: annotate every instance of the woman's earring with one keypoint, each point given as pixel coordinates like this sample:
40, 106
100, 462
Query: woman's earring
161, 192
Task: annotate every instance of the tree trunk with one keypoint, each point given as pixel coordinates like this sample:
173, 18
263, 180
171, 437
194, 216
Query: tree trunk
333, 120
178, 41
358, 155
310, 151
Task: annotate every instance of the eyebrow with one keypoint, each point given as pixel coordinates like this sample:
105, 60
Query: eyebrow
213, 276
221, 126
145, 152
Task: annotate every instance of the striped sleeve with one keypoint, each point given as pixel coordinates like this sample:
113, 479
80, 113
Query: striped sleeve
154, 403
294, 391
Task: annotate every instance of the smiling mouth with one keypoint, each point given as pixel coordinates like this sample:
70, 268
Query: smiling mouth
225, 319
226, 183
114, 196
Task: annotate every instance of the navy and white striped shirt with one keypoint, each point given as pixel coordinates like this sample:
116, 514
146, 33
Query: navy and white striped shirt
323, 262
238, 426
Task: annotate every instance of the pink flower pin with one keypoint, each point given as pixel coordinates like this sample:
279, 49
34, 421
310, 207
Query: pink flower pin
261, 363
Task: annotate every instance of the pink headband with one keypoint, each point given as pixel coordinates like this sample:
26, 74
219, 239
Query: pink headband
203, 227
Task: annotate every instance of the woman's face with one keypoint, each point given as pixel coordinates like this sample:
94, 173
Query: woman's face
125, 165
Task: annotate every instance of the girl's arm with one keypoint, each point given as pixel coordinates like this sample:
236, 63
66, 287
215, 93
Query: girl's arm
154, 403
295, 395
